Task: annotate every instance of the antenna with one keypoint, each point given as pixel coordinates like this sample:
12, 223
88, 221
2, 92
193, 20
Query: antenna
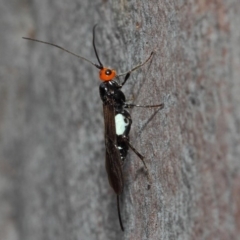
100, 66
95, 50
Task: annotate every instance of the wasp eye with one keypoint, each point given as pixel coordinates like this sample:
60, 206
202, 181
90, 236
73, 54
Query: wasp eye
108, 72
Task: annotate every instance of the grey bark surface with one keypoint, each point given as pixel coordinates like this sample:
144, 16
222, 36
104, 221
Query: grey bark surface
53, 183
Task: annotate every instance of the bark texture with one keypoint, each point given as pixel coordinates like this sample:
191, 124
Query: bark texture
53, 183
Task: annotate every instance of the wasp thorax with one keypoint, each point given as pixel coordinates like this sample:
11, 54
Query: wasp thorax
107, 74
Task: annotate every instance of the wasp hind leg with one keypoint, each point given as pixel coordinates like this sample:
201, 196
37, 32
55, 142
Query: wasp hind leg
141, 158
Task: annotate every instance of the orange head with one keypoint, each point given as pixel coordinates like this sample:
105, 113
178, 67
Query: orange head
107, 74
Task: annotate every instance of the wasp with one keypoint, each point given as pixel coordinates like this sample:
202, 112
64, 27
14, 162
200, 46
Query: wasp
117, 120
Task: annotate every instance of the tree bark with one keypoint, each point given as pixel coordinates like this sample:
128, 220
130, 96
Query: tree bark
53, 179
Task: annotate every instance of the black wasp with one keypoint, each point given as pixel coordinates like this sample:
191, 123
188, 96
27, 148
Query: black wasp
117, 119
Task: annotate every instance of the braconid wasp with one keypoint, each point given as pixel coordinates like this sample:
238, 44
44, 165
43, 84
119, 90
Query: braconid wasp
117, 120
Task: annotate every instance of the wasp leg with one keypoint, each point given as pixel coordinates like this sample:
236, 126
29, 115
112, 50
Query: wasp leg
141, 158
125, 79
161, 106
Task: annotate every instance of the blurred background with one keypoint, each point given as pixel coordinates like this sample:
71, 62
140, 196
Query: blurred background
53, 183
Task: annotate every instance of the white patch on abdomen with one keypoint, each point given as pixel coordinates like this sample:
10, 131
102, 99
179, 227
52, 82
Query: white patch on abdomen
121, 123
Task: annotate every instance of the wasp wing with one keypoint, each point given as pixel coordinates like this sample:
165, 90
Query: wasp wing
113, 160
